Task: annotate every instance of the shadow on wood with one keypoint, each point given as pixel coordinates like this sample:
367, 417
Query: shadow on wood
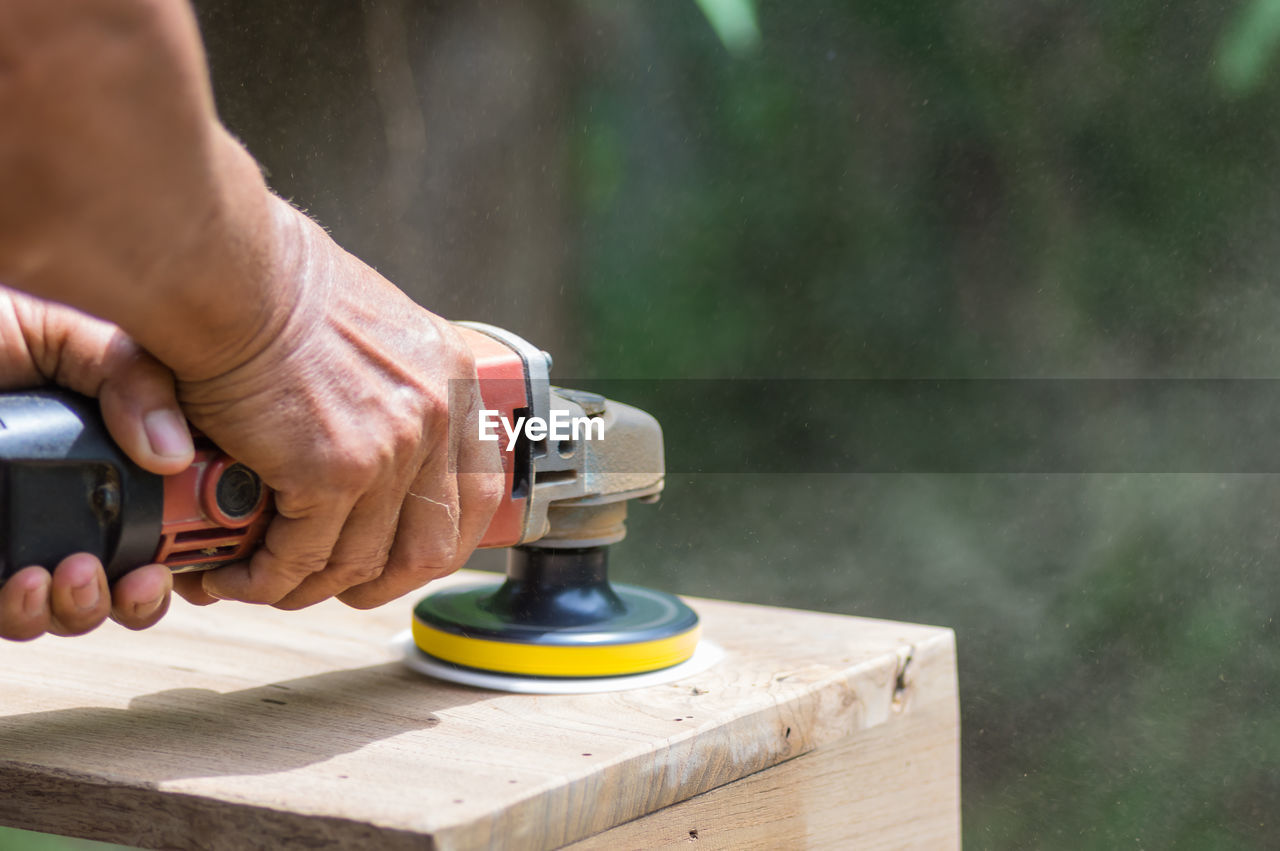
263, 730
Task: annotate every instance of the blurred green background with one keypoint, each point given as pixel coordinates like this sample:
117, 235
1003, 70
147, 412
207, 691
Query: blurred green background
992, 188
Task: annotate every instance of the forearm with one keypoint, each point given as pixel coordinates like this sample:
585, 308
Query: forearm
123, 194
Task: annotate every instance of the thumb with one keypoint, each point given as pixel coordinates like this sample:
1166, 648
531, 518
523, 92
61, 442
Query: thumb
141, 410
43, 339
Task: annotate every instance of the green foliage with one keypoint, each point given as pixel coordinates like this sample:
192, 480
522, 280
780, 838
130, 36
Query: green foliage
939, 189
1005, 188
1248, 46
734, 22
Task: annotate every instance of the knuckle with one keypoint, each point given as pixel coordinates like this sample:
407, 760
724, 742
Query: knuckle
411, 574
430, 573
343, 463
296, 566
339, 475
445, 551
428, 551
359, 572
432, 409
406, 432
274, 577
298, 498
120, 356
356, 465
292, 558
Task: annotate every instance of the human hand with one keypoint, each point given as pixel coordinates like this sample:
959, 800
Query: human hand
338, 397
127, 198
41, 342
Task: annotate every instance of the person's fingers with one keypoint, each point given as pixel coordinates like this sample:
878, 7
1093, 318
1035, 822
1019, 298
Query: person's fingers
360, 554
141, 597
140, 407
481, 484
190, 587
481, 488
479, 495
294, 548
96, 358
426, 538
475, 473
43, 340
24, 605
79, 598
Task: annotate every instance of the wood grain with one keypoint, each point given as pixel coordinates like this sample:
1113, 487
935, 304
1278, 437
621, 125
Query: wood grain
243, 727
893, 786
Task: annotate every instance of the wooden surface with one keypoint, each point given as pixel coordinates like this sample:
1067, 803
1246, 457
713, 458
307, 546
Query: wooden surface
243, 727
888, 787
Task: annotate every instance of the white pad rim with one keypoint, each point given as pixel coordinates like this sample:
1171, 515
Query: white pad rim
706, 654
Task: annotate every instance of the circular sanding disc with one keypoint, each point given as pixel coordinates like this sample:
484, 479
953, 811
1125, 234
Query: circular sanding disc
707, 654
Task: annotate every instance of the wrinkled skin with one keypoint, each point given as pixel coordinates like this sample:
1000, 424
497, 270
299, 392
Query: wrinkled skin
127, 199
356, 381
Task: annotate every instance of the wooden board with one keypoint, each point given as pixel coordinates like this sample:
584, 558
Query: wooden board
892, 786
243, 727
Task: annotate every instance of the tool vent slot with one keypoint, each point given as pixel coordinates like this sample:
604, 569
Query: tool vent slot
214, 533
522, 460
551, 477
204, 545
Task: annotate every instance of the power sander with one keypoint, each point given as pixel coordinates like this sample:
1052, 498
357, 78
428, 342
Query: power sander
571, 461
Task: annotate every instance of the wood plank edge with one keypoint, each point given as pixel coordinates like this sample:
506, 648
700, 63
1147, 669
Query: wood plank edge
72, 804
925, 671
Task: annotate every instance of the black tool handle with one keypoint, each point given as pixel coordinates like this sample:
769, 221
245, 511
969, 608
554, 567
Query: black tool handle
65, 487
